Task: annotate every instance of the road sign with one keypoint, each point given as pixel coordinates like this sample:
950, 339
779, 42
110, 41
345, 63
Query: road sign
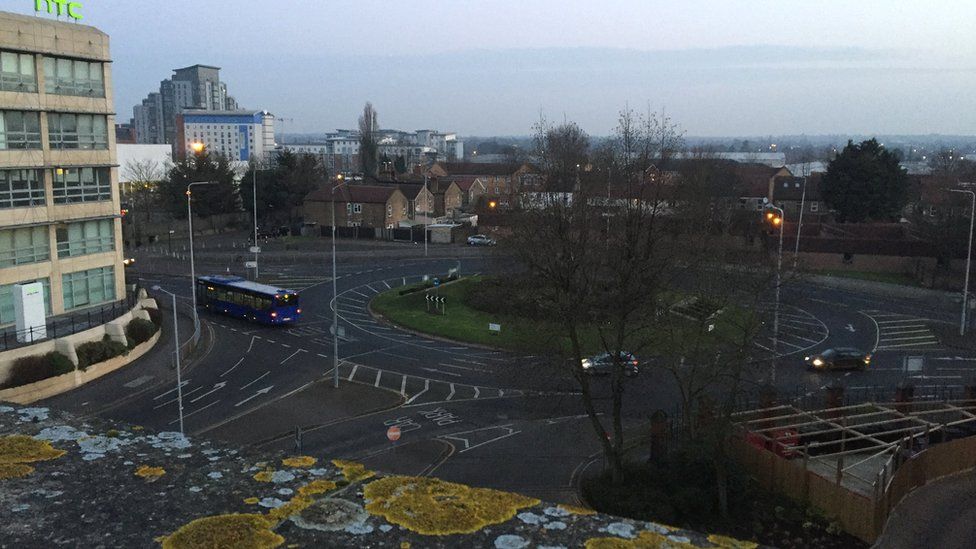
393, 433
437, 282
250, 264
342, 331
914, 363
255, 249
494, 327
429, 298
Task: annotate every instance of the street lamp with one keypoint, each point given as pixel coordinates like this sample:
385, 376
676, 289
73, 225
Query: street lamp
776, 221
335, 292
799, 224
426, 213
197, 147
254, 198
189, 218
969, 255
176, 345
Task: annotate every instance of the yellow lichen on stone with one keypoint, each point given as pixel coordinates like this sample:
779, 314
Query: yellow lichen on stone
236, 530
299, 461
404, 545
437, 508
317, 487
150, 473
296, 505
354, 472
575, 510
14, 470
645, 540
251, 501
16, 451
731, 543
264, 476
137, 427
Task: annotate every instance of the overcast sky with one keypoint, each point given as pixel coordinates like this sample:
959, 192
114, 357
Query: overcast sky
719, 68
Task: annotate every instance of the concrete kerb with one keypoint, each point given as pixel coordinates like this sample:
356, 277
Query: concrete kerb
886, 289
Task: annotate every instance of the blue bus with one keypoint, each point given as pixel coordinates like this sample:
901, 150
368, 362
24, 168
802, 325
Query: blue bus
234, 296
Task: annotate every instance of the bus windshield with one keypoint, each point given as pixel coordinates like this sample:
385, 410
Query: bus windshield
286, 300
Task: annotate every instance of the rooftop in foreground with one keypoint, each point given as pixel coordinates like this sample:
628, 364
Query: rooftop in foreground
77, 482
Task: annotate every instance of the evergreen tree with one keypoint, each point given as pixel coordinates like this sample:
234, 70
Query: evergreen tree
865, 182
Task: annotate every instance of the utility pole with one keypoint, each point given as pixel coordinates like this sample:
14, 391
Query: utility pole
969, 256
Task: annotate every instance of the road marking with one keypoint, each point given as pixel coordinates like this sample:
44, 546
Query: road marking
913, 331
359, 294
271, 341
168, 402
403, 387
414, 397
291, 356
910, 338
216, 388
441, 372
467, 443
321, 355
232, 367
908, 345
450, 396
444, 364
388, 287
352, 374
138, 381
477, 392
258, 393
255, 381
157, 397
286, 345
379, 374
194, 412
372, 288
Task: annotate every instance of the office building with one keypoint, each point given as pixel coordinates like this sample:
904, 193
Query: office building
197, 87
59, 198
239, 136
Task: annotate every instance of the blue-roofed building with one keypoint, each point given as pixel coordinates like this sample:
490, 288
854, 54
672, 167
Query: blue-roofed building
240, 136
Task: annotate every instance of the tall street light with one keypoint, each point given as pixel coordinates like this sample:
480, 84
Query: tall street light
254, 199
799, 225
969, 255
777, 221
189, 218
426, 213
176, 345
335, 292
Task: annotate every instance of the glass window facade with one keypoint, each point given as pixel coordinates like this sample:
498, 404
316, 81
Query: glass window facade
74, 185
21, 189
87, 288
7, 300
78, 131
20, 130
73, 77
23, 246
17, 72
86, 238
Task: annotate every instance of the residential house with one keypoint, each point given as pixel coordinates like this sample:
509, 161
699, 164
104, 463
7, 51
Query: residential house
756, 184
790, 192
500, 182
373, 206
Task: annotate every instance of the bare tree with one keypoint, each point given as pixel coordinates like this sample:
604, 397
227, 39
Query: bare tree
368, 140
142, 179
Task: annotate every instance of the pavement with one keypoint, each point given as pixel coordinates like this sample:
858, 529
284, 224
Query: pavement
941, 514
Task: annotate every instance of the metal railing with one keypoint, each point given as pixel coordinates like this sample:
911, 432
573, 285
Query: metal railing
68, 324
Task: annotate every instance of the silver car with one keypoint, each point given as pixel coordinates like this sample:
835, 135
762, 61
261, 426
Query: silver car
480, 240
603, 363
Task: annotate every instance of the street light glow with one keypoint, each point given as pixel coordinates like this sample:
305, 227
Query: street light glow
197, 147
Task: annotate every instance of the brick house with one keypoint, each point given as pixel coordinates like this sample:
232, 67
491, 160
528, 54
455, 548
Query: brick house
499, 182
756, 182
788, 193
372, 206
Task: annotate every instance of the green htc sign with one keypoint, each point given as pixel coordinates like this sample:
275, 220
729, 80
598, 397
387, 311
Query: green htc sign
59, 7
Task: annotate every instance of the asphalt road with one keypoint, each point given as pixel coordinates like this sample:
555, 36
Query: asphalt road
465, 413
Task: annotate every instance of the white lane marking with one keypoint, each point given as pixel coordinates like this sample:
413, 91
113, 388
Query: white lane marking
172, 400
258, 393
291, 356
891, 339
446, 365
403, 386
273, 342
256, 380
387, 284
441, 372
379, 373
913, 331
216, 388
287, 346
194, 412
477, 392
157, 397
450, 396
907, 345
138, 381
372, 288
352, 374
414, 397
467, 443
321, 355
359, 294
915, 320
232, 367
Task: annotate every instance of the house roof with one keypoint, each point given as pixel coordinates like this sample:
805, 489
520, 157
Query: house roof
754, 178
474, 168
791, 188
366, 194
465, 182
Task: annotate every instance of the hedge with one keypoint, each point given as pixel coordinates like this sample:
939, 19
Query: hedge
99, 351
139, 331
31, 369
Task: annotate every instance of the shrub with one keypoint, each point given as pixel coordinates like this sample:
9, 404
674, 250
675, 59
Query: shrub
139, 331
94, 352
31, 369
155, 317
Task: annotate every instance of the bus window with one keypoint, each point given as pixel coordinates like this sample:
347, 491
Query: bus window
263, 303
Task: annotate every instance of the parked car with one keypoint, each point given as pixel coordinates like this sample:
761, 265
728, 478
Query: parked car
841, 358
480, 240
602, 364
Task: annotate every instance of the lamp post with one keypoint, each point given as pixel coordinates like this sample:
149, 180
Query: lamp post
799, 225
335, 292
254, 198
426, 213
969, 255
189, 219
781, 221
176, 346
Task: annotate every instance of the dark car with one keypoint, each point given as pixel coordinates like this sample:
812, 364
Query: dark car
602, 364
841, 358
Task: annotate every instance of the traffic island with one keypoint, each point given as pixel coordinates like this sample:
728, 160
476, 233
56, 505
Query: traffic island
80, 483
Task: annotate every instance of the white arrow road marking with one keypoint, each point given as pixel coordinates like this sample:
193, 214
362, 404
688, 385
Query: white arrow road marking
414, 397
450, 396
255, 381
216, 388
850, 328
234, 366
258, 393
